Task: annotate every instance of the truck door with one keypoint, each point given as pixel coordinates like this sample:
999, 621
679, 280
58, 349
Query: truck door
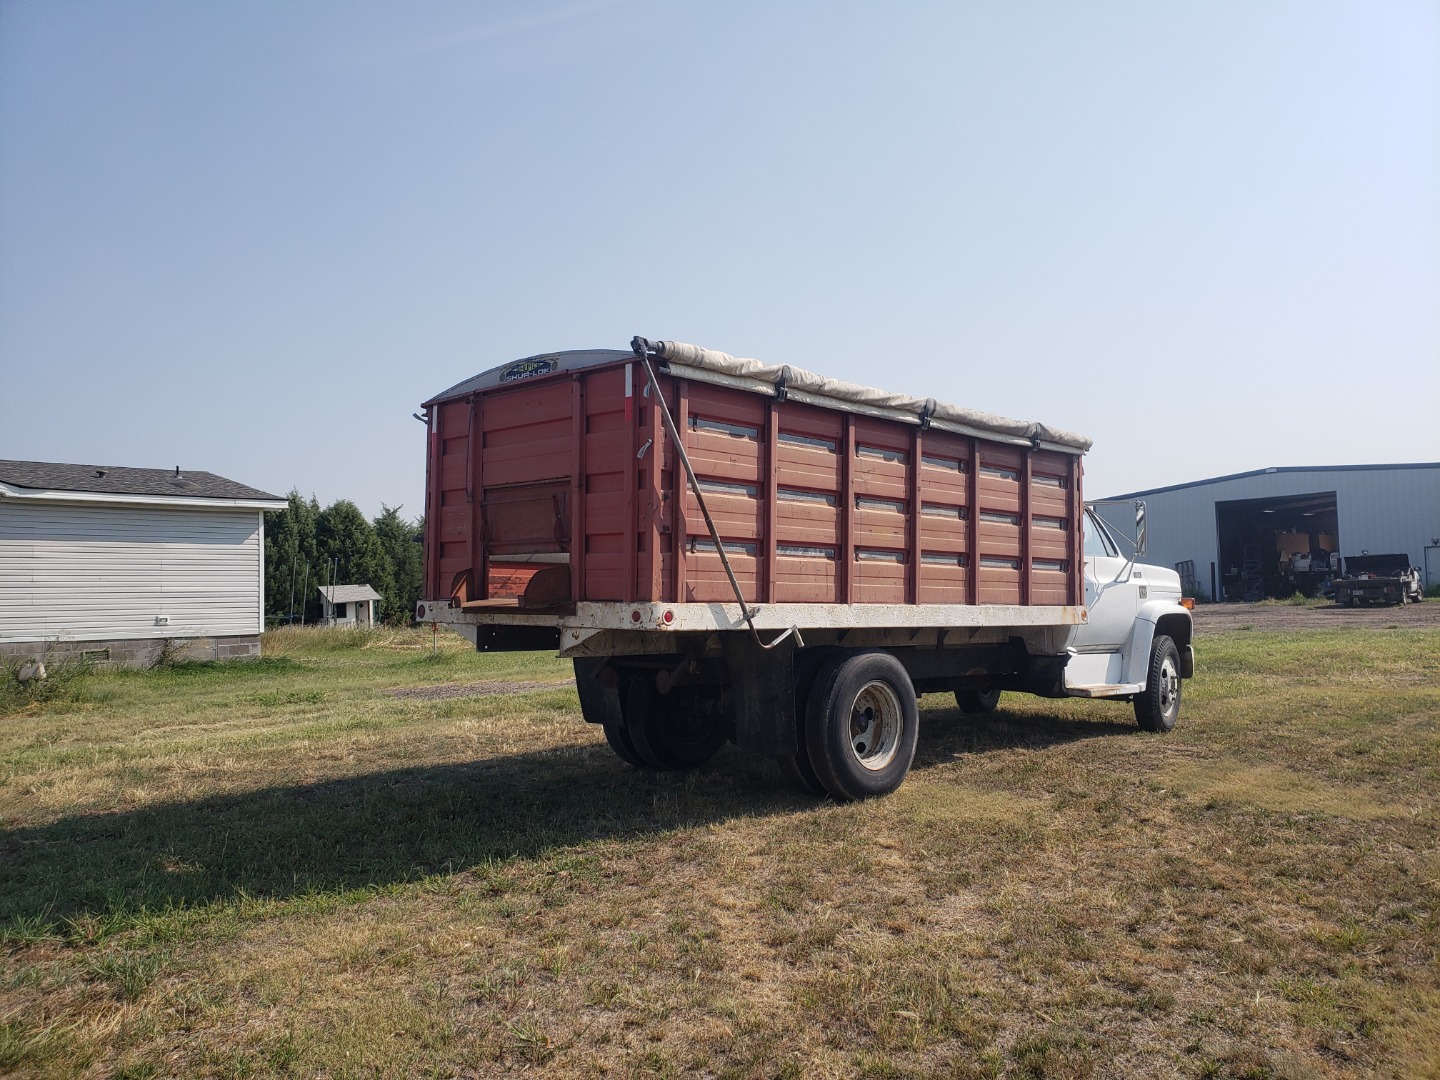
1111, 591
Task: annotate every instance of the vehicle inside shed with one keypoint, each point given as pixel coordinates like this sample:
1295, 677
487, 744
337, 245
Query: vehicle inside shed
1277, 547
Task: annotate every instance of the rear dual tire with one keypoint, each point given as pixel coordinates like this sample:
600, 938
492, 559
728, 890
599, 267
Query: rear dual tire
619, 739
796, 768
668, 731
798, 772
647, 729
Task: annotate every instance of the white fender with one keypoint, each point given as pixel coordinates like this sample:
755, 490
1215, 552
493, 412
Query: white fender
1142, 634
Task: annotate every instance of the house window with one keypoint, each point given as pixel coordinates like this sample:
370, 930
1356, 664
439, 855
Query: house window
339, 611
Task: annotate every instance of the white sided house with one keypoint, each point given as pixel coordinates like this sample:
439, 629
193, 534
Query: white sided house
125, 566
348, 605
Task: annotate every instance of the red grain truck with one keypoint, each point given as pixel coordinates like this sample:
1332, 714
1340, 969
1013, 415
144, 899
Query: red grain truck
731, 550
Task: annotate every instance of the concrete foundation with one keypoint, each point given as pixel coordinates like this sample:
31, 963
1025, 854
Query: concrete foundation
135, 652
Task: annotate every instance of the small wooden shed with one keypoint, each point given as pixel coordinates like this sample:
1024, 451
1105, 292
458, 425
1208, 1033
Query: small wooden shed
348, 605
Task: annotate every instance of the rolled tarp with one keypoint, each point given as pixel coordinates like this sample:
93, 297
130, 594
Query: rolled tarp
793, 378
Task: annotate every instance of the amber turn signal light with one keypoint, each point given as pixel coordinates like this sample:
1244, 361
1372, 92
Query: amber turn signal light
1188, 603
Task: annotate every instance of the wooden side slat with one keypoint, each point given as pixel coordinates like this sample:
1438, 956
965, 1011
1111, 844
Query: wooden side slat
1025, 530
651, 507
603, 509
972, 500
632, 474
770, 480
1077, 543
683, 496
847, 510
912, 539
480, 568
577, 486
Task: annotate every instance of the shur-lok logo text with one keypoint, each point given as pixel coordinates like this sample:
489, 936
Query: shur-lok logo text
528, 369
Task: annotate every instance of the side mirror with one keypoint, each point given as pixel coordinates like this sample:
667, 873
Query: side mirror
1139, 529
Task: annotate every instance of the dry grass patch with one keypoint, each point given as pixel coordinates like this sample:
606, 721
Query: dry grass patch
1285, 791
288, 870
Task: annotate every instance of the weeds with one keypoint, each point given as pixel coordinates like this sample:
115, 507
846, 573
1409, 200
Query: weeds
129, 973
1297, 599
63, 681
328, 639
246, 668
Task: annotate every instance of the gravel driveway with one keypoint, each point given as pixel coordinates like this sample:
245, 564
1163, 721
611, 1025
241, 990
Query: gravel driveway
1211, 618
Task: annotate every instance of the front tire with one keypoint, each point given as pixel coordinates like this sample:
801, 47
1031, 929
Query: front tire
1157, 707
861, 724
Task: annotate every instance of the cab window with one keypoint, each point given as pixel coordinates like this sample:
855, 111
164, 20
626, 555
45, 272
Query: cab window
1096, 542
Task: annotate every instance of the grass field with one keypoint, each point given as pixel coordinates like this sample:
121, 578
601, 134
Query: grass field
285, 867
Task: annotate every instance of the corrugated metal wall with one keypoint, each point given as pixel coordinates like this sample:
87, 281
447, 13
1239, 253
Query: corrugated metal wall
93, 573
1380, 510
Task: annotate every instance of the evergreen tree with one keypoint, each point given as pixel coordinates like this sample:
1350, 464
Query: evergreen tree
350, 552
403, 543
307, 547
289, 551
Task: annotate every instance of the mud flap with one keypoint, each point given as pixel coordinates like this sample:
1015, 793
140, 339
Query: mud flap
1045, 676
760, 695
599, 704
517, 639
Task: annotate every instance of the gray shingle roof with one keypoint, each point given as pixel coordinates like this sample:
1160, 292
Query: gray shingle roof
120, 480
344, 594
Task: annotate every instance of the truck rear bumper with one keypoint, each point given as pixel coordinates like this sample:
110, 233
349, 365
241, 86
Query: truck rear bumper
1384, 590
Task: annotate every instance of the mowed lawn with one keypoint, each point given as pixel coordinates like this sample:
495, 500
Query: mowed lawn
286, 868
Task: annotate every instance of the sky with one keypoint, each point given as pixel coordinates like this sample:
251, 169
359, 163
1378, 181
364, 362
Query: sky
251, 238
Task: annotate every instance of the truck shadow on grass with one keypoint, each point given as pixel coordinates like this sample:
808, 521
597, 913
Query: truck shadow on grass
945, 736
91, 875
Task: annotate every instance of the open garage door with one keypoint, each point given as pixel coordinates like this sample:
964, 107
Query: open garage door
1278, 546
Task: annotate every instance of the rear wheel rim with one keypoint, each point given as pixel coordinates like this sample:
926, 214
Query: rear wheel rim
876, 719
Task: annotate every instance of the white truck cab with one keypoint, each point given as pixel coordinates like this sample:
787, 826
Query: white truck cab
1136, 640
